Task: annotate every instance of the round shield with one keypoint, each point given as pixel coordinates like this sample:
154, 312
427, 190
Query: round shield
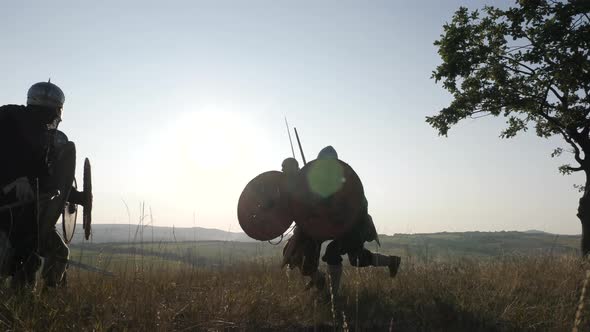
263, 207
87, 213
329, 199
68, 219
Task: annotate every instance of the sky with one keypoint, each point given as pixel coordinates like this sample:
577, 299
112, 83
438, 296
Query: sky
178, 104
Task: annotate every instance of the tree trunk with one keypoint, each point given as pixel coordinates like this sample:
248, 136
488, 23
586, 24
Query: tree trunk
584, 215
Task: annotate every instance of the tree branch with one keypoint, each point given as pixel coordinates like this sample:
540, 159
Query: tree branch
567, 169
574, 145
518, 63
543, 101
516, 48
560, 97
531, 73
574, 24
574, 169
559, 127
479, 116
517, 70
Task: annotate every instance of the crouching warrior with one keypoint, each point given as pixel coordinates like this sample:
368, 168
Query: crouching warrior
329, 203
36, 184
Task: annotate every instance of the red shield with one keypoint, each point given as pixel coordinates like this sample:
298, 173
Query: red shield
263, 208
328, 200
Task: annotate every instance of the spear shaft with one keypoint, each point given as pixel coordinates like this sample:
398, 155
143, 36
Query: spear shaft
300, 148
290, 140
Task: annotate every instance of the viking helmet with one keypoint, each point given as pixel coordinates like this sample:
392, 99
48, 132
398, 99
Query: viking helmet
328, 153
290, 166
45, 94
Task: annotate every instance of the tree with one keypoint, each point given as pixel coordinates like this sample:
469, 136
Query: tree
530, 64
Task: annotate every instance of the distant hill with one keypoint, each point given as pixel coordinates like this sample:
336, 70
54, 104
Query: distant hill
535, 231
479, 244
433, 246
106, 233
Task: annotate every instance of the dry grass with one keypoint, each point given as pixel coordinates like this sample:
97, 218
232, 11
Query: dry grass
511, 293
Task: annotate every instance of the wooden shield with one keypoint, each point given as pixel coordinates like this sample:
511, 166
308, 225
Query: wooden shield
328, 200
263, 207
87, 213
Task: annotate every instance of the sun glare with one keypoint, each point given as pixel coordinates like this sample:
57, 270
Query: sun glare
209, 139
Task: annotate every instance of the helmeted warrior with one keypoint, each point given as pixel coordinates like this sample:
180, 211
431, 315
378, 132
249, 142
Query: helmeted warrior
301, 250
36, 176
304, 252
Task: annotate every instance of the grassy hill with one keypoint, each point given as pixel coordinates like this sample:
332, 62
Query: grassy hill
510, 293
473, 281
420, 247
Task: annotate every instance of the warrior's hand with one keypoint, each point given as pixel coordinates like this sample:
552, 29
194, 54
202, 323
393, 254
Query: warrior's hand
23, 189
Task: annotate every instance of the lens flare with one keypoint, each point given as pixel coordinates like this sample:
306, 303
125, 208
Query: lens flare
326, 177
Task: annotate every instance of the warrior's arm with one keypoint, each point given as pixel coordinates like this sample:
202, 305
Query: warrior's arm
76, 197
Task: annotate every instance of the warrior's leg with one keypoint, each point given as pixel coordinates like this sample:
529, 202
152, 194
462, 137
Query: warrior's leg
335, 274
6, 256
52, 247
364, 257
26, 271
361, 257
333, 258
392, 262
303, 252
310, 266
26, 261
56, 255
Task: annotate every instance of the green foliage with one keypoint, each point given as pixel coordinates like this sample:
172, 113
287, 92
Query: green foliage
580, 188
557, 152
529, 63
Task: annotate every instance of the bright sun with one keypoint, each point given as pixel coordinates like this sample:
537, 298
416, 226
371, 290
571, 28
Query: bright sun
209, 139
202, 148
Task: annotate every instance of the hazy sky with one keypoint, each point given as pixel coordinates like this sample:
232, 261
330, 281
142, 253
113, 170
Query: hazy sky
180, 103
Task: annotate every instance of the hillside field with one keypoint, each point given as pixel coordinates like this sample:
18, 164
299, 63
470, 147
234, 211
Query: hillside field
514, 281
539, 293
438, 247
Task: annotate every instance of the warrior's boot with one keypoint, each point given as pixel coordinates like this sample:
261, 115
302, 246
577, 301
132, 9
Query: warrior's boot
335, 273
392, 262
